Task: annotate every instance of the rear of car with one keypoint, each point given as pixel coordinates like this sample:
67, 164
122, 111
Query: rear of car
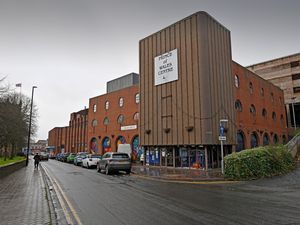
44, 156
91, 161
114, 162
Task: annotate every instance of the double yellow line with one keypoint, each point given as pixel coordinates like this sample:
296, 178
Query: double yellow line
63, 200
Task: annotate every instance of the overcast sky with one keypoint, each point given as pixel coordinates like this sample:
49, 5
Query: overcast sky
71, 48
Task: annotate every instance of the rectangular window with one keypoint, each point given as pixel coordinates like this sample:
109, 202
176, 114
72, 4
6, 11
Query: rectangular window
296, 89
294, 64
296, 76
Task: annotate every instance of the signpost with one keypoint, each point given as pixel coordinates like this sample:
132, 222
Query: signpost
222, 138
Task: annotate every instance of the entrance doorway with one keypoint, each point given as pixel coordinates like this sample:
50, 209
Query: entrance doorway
167, 157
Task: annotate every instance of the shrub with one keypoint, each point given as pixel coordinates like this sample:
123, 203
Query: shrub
259, 162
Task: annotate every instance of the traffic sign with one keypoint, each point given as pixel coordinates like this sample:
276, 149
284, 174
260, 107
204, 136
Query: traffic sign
222, 138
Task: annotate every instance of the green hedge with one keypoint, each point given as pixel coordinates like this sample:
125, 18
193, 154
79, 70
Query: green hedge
259, 162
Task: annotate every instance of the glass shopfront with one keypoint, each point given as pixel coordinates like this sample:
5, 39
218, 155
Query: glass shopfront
176, 157
186, 157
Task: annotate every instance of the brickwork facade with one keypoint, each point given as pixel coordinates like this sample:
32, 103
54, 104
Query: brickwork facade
260, 113
113, 119
72, 138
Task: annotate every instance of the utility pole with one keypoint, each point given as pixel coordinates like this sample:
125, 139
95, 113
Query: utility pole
29, 130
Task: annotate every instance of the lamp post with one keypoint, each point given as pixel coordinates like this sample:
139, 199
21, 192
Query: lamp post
222, 138
29, 130
294, 118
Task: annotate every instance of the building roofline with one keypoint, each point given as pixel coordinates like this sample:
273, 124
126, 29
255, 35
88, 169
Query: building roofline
271, 60
258, 76
186, 18
101, 95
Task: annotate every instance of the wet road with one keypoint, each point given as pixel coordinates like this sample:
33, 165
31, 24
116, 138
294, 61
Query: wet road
127, 199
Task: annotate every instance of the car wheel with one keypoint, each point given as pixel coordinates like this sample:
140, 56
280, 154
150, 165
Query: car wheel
106, 170
127, 171
87, 165
98, 168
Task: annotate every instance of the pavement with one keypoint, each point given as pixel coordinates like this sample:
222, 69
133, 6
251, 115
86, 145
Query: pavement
24, 198
177, 174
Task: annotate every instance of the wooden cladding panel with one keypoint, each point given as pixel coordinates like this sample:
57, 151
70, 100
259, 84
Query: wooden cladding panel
202, 95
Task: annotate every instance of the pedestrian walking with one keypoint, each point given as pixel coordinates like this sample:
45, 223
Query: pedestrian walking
37, 159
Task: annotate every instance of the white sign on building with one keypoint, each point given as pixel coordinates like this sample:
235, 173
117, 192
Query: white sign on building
166, 67
129, 127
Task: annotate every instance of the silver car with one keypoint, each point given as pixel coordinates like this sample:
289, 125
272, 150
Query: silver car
114, 161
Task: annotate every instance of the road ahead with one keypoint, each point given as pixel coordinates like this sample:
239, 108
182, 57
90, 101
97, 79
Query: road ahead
127, 199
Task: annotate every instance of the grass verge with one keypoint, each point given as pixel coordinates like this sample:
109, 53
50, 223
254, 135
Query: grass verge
9, 161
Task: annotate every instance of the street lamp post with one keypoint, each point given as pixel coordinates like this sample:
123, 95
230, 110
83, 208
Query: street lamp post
222, 138
29, 130
294, 118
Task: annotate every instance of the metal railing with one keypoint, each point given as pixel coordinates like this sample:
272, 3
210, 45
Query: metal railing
292, 145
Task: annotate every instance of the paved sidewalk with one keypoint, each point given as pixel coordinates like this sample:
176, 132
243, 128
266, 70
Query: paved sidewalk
23, 198
183, 174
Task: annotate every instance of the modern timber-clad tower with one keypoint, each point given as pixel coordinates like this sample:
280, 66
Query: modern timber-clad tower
186, 88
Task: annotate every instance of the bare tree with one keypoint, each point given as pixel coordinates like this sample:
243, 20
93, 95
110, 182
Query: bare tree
14, 120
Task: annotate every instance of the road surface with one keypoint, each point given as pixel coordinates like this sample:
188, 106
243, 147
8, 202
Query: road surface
127, 199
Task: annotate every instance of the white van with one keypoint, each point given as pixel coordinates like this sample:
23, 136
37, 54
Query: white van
125, 148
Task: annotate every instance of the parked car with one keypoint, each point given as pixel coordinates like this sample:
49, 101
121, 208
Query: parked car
58, 156
70, 158
114, 161
64, 157
79, 157
91, 160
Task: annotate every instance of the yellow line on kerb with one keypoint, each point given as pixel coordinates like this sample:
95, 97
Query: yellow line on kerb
185, 182
61, 194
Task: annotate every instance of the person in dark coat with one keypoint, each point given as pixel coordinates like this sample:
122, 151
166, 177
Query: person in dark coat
37, 159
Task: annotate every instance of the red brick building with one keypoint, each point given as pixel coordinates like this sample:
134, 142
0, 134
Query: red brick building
260, 110
57, 139
113, 117
72, 138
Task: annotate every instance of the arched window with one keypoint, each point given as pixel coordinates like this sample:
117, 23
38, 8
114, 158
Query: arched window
251, 88
94, 123
262, 92
121, 102
272, 97
264, 113
106, 121
266, 139
137, 98
275, 139
274, 116
136, 116
106, 105
236, 81
94, 108
238, 105
282, 120
121, 119
253, 140
252, 110
240, 141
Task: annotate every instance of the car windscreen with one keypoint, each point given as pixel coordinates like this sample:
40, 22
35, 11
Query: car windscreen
120, 156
